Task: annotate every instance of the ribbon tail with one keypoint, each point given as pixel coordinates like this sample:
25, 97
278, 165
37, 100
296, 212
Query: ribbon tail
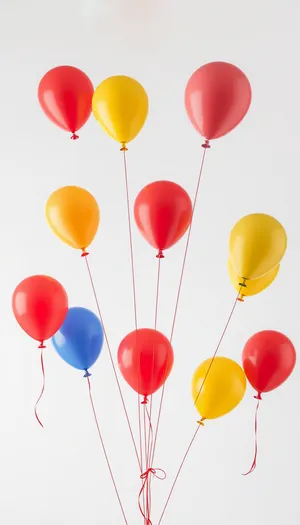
253, 466
42, 391
146, 518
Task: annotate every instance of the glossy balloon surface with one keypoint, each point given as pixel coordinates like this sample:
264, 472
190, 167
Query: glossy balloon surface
163, 212
40, 305
65, 95
217, 97
79, 340
145, 360
269, 357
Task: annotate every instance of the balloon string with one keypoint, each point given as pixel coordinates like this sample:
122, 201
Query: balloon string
104, 450
253, 466
157, 294
124, 149
43, 386
200, 422
218, 345
205, 146
130, 239
178, 472
146, 481
112, 361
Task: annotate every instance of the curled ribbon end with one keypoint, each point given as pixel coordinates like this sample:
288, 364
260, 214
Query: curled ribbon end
206, 144
250, 471
87, 374
145, 401
43, 385
74, 136
84, 252
160, 255
124, 147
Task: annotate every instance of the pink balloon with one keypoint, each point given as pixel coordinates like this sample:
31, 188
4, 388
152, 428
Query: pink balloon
217, 97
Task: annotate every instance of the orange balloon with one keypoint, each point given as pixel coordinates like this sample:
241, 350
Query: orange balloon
73, 215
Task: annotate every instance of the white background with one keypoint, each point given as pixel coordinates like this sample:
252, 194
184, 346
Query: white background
58, 475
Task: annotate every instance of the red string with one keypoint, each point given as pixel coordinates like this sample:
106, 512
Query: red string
112, 361
178, 472
104, 450
145, 477
43, 386
201, 421
218, 345
205, 147
253, 466
124, 149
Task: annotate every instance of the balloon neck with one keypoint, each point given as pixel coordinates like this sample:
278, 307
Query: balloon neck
201, 421
74, 136
258, 396
241, 298
160, 255
206, 144
123, 146
145, 400
42, 345
87, 374
243, 283
84, 252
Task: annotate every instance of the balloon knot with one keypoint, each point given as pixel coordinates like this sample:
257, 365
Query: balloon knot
258, 396
160, 255
241, 298
74, 137
42, 345
84, 253
145, 400
124, 147
155, 472
201, 421
206, 144
87, 374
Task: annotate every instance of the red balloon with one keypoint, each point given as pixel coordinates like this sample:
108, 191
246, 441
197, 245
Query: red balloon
269, 358
40, 305
217, 97
163, 212
65, 95
145, 359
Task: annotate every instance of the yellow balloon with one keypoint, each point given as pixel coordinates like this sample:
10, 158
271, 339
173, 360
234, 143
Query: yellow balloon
223, 389
257, 244
252, 286
73, 215
120, 105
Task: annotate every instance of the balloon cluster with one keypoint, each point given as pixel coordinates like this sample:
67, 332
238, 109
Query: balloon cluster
217, 97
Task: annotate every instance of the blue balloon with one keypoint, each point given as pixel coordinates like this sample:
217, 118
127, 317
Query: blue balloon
79, 340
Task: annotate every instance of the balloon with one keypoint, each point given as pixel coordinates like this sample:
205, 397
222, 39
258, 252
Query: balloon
120, 105
224, 387
217, 97
40, 305
79, 340
163, 212
65, 95
257, 244
73, 215
145, 359
252, 286
268, 358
